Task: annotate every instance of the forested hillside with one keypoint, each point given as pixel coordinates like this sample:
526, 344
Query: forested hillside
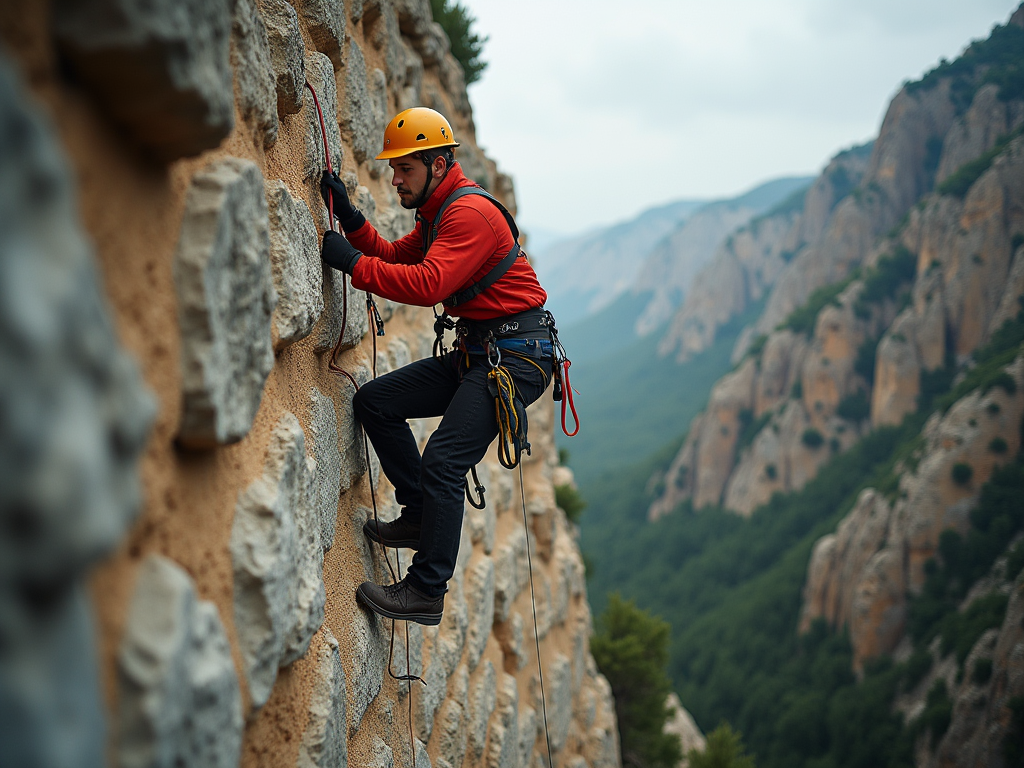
865, 606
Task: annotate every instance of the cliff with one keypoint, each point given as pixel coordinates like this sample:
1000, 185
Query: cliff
887, 283
184, 483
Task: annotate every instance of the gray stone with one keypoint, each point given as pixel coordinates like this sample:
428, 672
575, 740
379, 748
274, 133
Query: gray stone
287, 54
76, 418
323, 424
503, 744
278, 561
297, 269
365, 109
350, 434
254, 72
559, 691
483, 523
482, 699
511, 572
510, 636
480, 596
180, 702
325, 22
320, 75
325, 741
451, 735
341, 300
160, 69
529, 725
225, 301
422, 759
381, 755
368, 644
430, 698
451, 637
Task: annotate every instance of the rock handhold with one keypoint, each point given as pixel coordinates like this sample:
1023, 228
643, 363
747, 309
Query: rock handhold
254, 73
160, 69
323, 422
325, 741
365, 112
179, 696
278, 561
325, 22
320, 75
287, 54
295, 259
225, 301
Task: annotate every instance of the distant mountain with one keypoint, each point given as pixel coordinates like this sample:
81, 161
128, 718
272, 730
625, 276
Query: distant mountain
586, 273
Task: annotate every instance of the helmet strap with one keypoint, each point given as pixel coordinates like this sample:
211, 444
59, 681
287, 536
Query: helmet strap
424, 195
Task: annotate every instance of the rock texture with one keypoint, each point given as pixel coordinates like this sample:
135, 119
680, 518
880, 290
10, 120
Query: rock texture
225, 300
76, 418
179, 697
226, 630
161, 70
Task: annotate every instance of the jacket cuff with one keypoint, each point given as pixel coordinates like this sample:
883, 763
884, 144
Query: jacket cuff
353, 222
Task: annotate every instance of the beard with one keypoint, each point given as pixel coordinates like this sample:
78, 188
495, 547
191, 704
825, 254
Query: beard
417, 200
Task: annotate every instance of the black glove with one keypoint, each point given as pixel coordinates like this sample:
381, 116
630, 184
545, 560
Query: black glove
349, 216
339, 253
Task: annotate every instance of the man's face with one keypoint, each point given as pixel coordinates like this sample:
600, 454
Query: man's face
411, 178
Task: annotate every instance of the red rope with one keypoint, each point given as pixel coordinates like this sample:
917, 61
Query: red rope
567, 398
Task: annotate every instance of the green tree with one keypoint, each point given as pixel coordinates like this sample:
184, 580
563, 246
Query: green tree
724, 750
467, 45
631, 650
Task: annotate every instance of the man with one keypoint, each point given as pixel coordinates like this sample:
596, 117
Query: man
471, 263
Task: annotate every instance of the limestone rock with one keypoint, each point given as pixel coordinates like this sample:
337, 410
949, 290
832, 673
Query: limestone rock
76, 419
368, 646
511, 573
325, 22
323, 424
682, 725
559, 690
503, 741
480, 597
225, 300
978, 129
482, 700
161, 70
341, 300
254, 73
325, 740
179, 697
365, 111
350, 434
381, 755
320, 74
278, 561
297, 269
287, 54
451, 732
430, 698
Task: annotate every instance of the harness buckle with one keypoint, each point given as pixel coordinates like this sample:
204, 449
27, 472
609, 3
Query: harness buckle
509, 327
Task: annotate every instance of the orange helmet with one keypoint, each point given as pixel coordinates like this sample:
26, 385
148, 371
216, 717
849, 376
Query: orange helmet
415, 129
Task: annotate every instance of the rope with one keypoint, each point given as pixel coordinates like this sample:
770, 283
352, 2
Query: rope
536, 631
377, 322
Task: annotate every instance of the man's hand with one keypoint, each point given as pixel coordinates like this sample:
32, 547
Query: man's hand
331, 187
338, 252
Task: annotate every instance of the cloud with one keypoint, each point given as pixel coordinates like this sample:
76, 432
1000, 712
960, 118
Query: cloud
600, 109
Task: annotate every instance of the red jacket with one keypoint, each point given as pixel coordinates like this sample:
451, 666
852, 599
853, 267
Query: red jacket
472, 238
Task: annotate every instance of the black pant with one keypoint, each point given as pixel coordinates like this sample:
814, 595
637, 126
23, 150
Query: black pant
431, 487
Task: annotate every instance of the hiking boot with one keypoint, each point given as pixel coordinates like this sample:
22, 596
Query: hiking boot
401, 601
397, 533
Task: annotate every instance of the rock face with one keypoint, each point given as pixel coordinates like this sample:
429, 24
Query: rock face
76, 418
225, 300
226, 629
179, 696
161, 70
860, 575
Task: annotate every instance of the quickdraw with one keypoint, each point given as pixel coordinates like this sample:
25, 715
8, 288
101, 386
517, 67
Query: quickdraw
509, 410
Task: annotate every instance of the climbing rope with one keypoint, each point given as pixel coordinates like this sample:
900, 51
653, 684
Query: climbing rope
377, 323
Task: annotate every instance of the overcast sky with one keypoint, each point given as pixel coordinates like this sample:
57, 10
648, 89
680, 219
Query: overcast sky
599, 109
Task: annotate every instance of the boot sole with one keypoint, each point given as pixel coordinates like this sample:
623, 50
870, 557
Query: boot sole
393, 543
428, 619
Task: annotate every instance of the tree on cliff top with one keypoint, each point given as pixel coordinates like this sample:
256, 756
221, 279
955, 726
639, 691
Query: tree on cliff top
467, 46
631, 650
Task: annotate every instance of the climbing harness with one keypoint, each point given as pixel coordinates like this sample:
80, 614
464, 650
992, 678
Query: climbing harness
376, 322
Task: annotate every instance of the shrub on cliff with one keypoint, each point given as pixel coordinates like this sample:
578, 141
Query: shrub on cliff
724, 750
467, 45
631, 650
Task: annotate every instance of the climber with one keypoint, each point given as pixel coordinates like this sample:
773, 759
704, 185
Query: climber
462, 253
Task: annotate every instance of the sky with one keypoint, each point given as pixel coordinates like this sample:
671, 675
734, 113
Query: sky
601, 109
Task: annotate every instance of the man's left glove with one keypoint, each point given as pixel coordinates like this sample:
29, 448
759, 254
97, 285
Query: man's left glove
339, 253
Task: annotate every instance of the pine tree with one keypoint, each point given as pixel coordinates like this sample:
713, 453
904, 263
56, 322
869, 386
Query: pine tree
467, 46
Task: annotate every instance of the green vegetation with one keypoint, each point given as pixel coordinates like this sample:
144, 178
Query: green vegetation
570, 501
961, 473
884, 280
998, 445
467, 46
1013, 746
724, 750
994, 60
812, 438
855, 407
631, 649
751, 427
982, 671
802, 319
963, 179
937, 713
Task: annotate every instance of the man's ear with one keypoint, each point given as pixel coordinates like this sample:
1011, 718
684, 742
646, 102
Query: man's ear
438, 167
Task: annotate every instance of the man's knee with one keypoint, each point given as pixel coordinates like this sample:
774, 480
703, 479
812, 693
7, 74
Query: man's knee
363, 402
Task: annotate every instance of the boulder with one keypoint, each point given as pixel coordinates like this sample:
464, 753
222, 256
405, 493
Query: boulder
254, 72
323, 426
325, 740
178, 692
225, 301
364, 115
287, 54
325, 22
320, 75
161, 70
